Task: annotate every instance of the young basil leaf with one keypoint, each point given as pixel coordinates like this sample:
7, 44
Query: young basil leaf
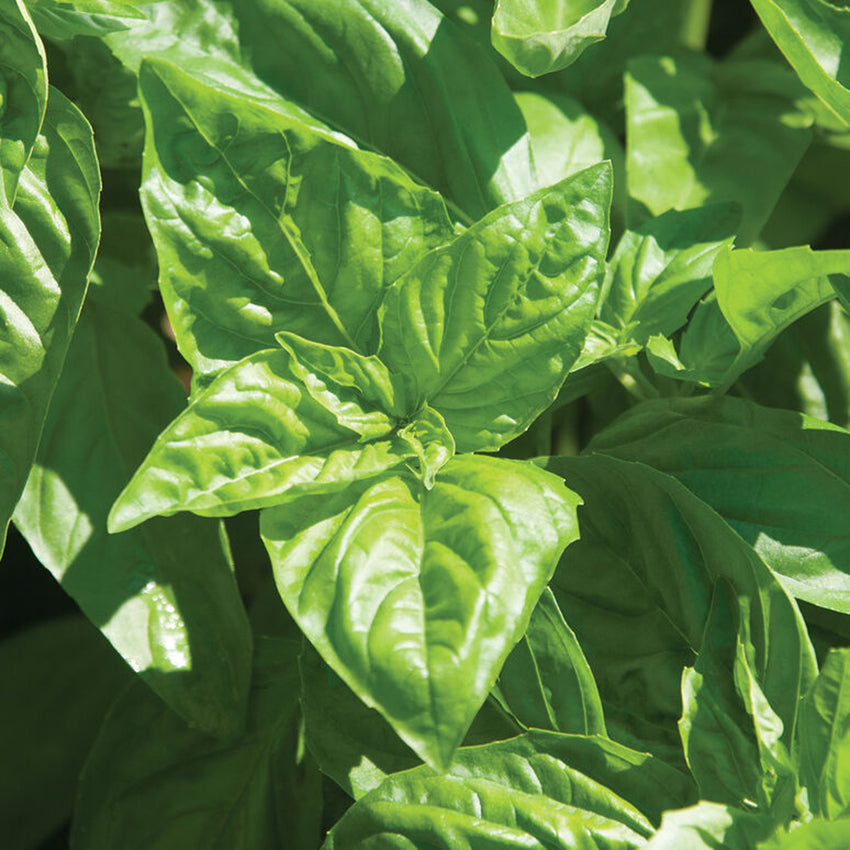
257, 432
49, 238
164, 595
415, 597
710, 826
486, 329
817, 833
24, 81
539, 38
546, 681
781, 481
824, 738
263, 224
59, 678
700, 132
813, 35
637, 590
188, 790
403, 79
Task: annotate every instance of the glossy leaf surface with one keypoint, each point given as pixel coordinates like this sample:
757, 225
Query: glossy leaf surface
779, 478
164, 595
486, 329
190, 790
709, 826
415, 597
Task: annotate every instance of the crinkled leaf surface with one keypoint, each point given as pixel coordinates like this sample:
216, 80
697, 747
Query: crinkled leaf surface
701, 132
546, 681
780, 479
486, 329
48, 239
153, 783
813, 35
164, 595
710, 826
415, 597
637, 589
263, 224
825, 738
59, 678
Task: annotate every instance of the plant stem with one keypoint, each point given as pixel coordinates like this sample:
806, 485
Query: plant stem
695, 24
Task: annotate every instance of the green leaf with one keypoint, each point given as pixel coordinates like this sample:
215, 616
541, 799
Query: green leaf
402, 79
59, 678
825, 738
415, 597
152, 782
710, 826
815, 835
164, 595
813, 35
263, 224
781, 480
546, 681
64, 19
520, 793
546, 36
637, 589
486, 329
701, 132
48, 242
662, 268
266, 429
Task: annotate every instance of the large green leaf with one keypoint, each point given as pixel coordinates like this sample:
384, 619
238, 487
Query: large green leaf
703, 132
546, 681
415, 597
59, 678
404, 80
486, 329
275, 426
164, 595
710, 826
522, 793
638, 586
825, 738
813, 35
545, 36
64, 19
23, 76
780, 479
263, 224
153, 783
815, 835
48, 242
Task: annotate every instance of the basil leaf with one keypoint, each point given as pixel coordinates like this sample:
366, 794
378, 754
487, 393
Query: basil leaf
825, 738
781, 481
546, 681
250, 792
637, 590
64, 19
48, 241
710, 826
487, 328
163, 595
264, 224
539, 38
816, 833
700, 131
812, 35
415, 597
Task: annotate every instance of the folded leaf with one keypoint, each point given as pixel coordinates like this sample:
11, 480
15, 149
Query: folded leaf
710, 826
251, 793
415, 597
48, 244
164, 595
781, 481
703, 132
487, 328
264, 224
824, 741
546, 36
258, 432
813, 35
546, 681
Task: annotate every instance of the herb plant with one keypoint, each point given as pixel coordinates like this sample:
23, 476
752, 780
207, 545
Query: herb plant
510, 503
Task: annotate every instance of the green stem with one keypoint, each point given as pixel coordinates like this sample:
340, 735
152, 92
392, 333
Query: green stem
695, 24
